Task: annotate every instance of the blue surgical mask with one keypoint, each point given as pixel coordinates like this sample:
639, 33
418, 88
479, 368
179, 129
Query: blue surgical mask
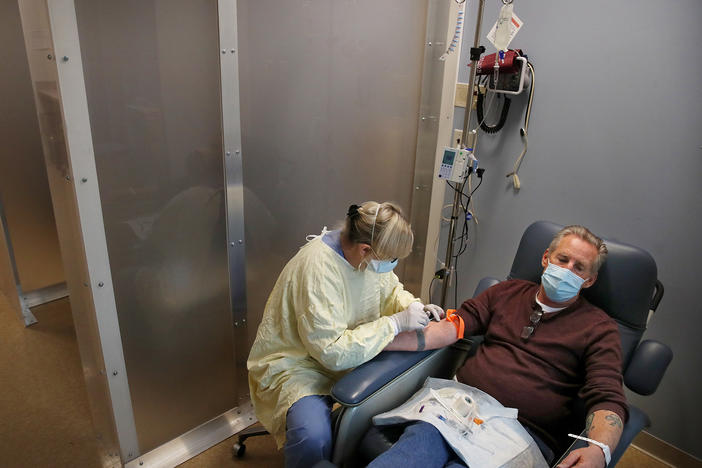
381, 266
560, 284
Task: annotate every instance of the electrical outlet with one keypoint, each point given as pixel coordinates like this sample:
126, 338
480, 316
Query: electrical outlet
457, 134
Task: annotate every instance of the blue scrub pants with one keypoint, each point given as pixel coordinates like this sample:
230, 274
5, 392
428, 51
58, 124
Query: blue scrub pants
422, 445
308, 436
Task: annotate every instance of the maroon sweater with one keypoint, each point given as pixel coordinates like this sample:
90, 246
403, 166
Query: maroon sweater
573, 353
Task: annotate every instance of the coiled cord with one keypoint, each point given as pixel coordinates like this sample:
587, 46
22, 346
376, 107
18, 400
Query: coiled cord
503, 115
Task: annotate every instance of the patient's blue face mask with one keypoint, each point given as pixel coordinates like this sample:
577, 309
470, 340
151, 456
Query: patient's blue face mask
560, 284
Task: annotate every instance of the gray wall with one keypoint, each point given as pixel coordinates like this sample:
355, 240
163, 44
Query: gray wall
614, 144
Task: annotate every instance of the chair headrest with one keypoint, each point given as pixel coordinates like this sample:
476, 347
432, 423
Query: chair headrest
625, 283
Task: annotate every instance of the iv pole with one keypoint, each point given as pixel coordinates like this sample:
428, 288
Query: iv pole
475, 53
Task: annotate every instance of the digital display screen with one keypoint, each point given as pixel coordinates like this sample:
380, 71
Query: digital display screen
449, 156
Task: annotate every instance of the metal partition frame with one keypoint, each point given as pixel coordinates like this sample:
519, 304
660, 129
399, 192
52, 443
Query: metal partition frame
75, 192
22, 301
9, 284
233, 155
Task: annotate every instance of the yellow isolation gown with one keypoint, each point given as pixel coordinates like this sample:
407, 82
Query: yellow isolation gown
323, 318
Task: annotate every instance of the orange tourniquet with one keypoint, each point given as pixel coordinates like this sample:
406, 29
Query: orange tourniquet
457, 321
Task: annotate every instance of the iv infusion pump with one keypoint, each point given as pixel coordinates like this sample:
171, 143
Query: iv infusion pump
455, 164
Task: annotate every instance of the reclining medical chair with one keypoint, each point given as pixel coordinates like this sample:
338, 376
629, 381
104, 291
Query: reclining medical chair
627, 289
380, 384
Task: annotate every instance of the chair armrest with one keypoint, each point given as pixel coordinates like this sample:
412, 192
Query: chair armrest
367, 378
384, 383
647, 366
638, 420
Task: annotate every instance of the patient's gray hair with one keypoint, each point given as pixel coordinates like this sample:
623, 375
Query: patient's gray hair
586, 235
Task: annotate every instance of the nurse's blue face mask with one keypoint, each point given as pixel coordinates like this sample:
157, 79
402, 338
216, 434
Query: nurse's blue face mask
379, 266
382, 266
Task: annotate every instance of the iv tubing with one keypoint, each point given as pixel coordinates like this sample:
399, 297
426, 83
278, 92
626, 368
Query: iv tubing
466, 121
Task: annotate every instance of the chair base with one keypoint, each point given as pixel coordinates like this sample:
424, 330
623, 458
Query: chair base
239, 449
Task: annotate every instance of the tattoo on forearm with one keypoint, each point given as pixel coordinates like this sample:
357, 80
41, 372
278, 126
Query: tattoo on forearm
614, 420
420, 340
588, 423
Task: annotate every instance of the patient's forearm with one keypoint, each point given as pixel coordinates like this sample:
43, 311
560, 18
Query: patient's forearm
605, 426
435, 335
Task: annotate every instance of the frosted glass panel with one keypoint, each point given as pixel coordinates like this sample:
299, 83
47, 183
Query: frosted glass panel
330, 94
24, 188
152, 77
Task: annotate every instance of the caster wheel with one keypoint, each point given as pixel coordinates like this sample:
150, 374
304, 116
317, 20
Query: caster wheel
238, 450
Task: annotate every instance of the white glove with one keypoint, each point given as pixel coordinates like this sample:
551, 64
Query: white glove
410, 319
434, 312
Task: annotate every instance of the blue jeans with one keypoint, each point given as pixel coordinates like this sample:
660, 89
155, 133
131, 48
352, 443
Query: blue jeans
422, 446
308, 435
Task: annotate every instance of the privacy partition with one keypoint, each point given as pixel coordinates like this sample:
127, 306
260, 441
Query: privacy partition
190, 147
341, 102
31, 272
152, 78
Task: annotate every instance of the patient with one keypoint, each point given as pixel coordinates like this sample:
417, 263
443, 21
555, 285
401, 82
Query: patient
545, 346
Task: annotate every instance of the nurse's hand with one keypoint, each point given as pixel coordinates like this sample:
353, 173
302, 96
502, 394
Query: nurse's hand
412, 318
434, 312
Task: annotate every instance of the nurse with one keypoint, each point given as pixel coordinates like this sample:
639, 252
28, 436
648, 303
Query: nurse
335, 305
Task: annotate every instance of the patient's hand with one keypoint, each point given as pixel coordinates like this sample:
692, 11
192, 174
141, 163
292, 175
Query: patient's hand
587, 457
435, 335
601, 425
